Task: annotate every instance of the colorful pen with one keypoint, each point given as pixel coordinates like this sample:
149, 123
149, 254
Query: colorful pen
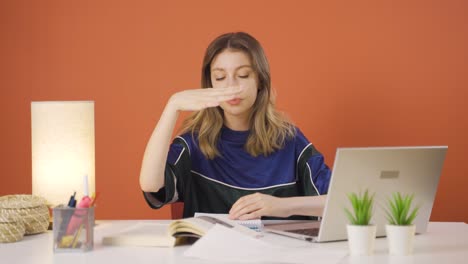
79, 216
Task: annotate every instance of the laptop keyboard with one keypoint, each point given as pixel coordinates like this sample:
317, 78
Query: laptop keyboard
307, 231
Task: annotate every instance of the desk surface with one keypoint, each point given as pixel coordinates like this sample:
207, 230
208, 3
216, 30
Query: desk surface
443, 243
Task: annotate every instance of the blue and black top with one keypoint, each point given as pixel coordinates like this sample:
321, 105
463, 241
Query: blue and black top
213, 186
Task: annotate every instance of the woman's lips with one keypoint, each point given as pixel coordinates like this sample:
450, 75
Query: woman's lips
235, 101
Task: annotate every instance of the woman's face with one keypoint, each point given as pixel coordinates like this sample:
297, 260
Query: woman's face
234, 68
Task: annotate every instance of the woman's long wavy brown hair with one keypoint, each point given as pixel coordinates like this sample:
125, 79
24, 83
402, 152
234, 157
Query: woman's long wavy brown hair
269, 129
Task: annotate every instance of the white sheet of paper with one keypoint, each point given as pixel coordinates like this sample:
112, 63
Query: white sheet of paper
225, 245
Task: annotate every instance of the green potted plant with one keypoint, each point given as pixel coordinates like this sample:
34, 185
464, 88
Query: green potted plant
361, 234
400, 228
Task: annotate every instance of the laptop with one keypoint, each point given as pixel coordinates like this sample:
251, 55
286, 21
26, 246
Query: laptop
382, 170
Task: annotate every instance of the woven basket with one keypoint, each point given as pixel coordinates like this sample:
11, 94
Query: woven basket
11, 228
32, 210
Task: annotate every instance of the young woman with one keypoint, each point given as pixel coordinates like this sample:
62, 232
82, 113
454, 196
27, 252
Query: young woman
236, 153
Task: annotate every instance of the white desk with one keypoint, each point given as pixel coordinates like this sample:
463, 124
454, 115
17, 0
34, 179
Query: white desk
443, 243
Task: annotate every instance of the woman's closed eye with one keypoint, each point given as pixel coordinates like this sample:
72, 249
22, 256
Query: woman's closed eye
240, 76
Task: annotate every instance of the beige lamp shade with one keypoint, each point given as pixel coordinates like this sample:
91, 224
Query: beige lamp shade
62, 149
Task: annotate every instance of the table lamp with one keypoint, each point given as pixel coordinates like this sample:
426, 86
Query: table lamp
62, 149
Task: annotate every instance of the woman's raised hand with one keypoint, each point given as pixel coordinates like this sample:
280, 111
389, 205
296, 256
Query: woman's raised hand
198, 99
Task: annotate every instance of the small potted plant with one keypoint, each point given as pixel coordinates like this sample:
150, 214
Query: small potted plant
400, 228
361, 234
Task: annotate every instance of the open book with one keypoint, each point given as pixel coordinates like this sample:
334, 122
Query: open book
180, 231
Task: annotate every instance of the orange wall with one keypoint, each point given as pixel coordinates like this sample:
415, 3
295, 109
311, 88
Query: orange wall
349, 73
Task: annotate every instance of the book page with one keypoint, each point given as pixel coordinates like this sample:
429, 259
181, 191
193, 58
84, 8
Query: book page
203, 222
141, 234
190, 225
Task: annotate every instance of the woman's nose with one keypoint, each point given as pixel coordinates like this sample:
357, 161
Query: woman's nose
232, 81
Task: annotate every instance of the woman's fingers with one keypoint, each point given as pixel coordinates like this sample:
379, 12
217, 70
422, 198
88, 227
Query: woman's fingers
223, 98
245, 205
211, 97
248, 210
211, 104
235, 90
256, 205
215, 101
198, 99
244, 201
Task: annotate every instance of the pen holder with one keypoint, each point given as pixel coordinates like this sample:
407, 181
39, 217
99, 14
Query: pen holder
73, 229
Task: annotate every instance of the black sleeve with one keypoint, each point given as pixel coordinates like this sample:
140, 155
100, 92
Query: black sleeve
175, 179
305, 172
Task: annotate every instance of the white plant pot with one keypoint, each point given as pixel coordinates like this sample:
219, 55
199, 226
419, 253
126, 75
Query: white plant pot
361, 239
400, 239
